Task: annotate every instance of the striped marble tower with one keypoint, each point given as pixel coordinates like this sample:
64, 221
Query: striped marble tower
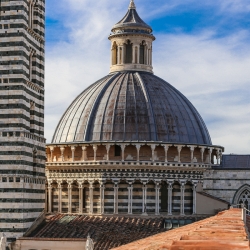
22, 143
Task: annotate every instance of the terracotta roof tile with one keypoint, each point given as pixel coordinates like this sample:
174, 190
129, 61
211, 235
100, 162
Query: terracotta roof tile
224, 231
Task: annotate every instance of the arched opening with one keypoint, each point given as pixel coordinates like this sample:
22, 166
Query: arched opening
188, 198
185, 155
197, 155
130, 153
90, 153
78, 154
57, 154
176, 198
159, 154
67, 154
214, 157
128, 52
173, 154
101, 153
114, 53
206, 156
145, 153
142, 53
115, 153
164, 197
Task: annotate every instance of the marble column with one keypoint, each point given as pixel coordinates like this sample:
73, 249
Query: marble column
157, 196
73, 153
95, 150
59, 197
84, 153
69, 197
62, 152
80, 186
202, 150
170, 193
179, 148
123, 149
210, 155
192, 153
50, 197
153, 152
91, 196
138, 54
133, 53
194, 198
182, 212
166, 147
123, 54
107, 148
138, 152
102, 192
144, 198
130, 199
116, 188
51, 153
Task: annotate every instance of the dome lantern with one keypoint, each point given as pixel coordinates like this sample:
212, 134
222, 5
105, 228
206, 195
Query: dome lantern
131, 43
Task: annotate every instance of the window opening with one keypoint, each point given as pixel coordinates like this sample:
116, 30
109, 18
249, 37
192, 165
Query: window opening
245, 199
117, 150
128, 52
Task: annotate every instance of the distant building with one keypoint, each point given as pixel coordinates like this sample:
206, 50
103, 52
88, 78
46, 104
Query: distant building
22, 143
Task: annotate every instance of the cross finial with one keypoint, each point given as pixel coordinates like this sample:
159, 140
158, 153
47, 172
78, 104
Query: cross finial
132, 4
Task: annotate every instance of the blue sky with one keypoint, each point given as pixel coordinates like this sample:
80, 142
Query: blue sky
201, 47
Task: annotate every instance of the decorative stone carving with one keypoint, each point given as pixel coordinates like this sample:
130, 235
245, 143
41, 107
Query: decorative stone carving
89, 244
3, 242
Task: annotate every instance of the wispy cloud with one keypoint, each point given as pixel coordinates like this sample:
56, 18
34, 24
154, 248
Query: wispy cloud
212, 72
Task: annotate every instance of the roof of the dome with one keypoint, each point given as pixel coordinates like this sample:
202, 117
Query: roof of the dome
131, 106
132, 19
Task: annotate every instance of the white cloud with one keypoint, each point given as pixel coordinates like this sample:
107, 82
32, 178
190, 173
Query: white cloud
213, 73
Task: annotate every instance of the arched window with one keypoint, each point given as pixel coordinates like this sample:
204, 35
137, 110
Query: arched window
142, 53
114, 54
128, 52
245, 199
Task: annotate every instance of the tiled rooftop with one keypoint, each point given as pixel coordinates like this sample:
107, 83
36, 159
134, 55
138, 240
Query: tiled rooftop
225, 231
107, 232
234, 162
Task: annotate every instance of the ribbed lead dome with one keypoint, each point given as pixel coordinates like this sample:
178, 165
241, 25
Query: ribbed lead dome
131, 106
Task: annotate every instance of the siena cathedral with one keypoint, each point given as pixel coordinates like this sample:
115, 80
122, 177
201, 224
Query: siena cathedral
129, 145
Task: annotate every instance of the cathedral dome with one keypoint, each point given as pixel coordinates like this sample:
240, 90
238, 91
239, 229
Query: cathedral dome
131, 106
